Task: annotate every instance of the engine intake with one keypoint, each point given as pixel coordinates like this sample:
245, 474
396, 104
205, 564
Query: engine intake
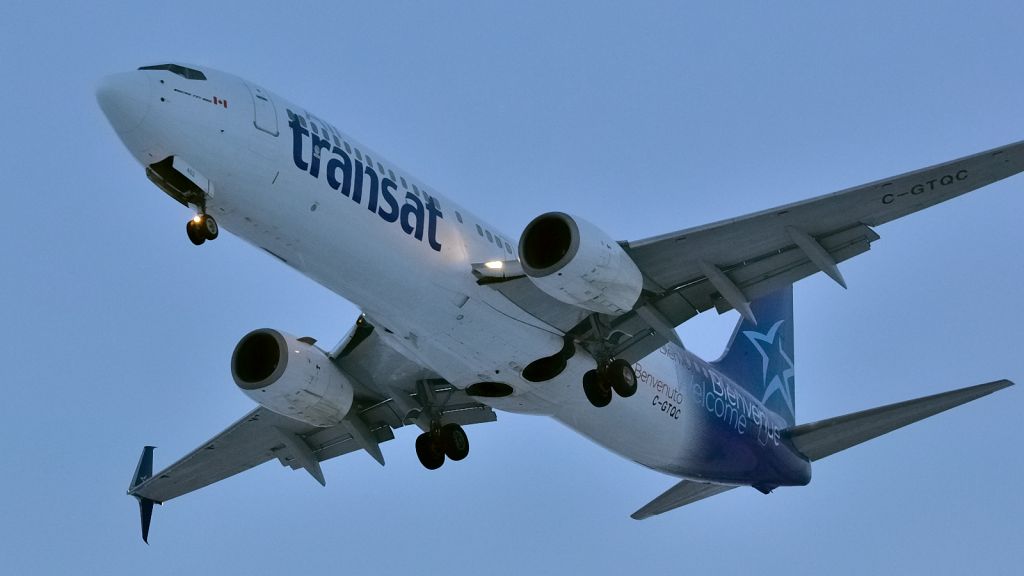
575, 262
291, 377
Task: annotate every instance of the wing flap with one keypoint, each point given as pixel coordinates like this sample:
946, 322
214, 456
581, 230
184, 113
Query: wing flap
683, 493
826, 437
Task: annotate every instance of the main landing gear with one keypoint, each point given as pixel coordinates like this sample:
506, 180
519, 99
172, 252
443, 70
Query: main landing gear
202, 228
433, 446
615, 375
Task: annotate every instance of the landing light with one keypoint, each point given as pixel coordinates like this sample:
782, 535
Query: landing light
494, 265
198, 218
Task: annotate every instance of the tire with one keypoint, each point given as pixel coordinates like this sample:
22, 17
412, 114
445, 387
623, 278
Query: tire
621, 377
596, 389
210, 228
428, 452
455, 442
195, 235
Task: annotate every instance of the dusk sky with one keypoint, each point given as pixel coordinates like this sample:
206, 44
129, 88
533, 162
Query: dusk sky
643, 118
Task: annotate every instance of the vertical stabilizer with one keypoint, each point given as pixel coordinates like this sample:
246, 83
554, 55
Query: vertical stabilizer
759, 356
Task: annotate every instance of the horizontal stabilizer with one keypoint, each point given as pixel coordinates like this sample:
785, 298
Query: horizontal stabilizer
681, 494
826, 437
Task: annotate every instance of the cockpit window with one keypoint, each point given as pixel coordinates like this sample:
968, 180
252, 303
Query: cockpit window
189, 73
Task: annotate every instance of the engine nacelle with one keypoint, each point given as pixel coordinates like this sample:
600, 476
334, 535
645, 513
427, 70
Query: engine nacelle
574, 261
291, 377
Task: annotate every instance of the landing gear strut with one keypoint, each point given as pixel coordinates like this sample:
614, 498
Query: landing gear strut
202, 228
615, 375
433, 446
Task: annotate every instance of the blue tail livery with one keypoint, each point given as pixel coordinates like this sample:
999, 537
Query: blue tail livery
759, 356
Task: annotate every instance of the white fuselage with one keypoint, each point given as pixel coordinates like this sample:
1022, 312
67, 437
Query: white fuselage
408, 265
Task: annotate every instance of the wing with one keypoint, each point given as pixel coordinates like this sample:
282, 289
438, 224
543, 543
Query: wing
727, 264
391, 391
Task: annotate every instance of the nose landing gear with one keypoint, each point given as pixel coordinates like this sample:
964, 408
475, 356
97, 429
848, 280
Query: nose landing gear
202, 228
615, 375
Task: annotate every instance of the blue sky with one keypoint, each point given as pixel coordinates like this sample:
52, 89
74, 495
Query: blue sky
643, 119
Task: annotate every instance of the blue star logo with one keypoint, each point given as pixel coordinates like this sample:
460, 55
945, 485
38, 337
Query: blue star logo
776, 366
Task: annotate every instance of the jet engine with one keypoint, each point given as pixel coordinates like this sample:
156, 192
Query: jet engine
292, 377
575, 262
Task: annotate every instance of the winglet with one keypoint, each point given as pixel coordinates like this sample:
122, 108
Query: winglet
146, 513
143, 472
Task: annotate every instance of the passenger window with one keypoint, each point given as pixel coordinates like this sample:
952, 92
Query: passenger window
489, 237
404, 185
392, 175
508, 248
479, 230
380, 169
358, 155
458, 216
369, 161
415, 189
348, 148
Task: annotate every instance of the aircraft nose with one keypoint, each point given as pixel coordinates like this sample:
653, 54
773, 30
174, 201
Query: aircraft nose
125, 99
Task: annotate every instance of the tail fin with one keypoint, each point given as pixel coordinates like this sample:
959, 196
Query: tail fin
759, 356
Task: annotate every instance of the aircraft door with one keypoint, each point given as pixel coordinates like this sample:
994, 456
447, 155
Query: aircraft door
265, 114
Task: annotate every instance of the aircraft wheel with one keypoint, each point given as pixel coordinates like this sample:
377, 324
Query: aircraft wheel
455, 441
597, 389
430, 453
209, 227
194, 233
621, 377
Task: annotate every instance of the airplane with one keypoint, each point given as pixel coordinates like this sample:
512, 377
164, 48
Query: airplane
459, 320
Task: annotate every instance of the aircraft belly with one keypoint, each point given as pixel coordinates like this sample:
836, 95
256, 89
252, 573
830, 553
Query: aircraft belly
445, 323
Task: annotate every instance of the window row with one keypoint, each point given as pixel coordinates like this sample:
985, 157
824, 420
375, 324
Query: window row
326, 130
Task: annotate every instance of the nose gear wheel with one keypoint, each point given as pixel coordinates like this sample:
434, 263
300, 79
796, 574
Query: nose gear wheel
202, 228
